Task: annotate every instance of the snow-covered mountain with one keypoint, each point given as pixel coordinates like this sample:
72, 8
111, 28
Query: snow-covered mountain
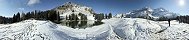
161, 12
148, 12
69, 8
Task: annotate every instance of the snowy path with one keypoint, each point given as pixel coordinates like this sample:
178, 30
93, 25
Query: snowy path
112, 29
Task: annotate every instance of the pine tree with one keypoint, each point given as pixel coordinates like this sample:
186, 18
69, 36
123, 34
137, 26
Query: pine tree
84, 17
110, 15
58, 16
14, 18
121, 15
66, 17
35, 14
46, 15
102, 16
106, 16
32, 14
80, 14
76, 17
28, 15
70, 17
18, 17
23, 16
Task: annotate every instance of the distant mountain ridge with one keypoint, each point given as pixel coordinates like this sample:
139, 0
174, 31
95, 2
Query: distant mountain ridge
149, 13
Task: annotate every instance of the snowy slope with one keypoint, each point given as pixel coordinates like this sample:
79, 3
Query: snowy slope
113, 29
142, 29
46, 30
28, 30
147, 12
71, 8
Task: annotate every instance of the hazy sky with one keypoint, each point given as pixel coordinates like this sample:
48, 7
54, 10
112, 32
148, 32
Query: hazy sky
10, 7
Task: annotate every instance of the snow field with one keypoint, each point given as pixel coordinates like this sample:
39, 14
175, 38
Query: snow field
112, 29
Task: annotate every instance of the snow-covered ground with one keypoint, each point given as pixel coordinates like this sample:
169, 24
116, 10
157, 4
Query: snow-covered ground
113, 29
45, 30
142, 29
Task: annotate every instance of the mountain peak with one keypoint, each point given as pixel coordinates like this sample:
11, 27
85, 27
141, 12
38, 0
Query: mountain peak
154, 14
160, 9
72, 8
147, 9
70, 3
143, 9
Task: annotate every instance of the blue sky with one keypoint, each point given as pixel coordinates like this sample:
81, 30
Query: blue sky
10, 7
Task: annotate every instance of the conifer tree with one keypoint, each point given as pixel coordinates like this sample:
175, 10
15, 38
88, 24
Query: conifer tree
18, 17
110, 15
66, 17
14, 18
23, 16
106, 16
121, 15
70, 17
58, 16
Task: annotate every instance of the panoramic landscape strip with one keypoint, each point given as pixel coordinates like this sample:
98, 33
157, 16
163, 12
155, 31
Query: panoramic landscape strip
94, 20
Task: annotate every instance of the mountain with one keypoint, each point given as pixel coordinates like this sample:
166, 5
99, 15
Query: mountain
149, 13
161, 12
72, 8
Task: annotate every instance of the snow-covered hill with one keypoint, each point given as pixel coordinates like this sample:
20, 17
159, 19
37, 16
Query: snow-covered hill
147, 12
46, 30
113, 29
143, 29
72, 8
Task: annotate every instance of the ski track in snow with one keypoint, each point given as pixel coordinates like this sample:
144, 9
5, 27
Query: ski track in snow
112, 29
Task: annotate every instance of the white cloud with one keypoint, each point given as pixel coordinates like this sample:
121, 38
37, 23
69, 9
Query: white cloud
32, 2
21, 9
